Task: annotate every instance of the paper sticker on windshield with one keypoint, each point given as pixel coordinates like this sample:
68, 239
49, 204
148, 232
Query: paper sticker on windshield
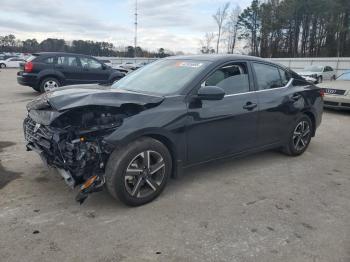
189, 64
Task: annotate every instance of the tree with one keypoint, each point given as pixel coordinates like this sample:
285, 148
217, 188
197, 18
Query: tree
232, 28
206, 43
130, 51
30, 45
220, 18
249, 26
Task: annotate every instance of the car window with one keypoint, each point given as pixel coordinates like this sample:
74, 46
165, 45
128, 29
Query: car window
32, 57
90, 63
67, 61
49, 60
233, 78
285, 76
267, 76
163, 77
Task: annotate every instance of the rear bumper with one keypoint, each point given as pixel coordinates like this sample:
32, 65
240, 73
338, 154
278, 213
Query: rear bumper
26, 79
337, 102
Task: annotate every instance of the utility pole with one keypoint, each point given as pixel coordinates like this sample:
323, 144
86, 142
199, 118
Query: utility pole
135, 42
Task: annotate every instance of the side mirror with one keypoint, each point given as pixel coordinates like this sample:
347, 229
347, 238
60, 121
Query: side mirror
290, 83
104, 66
211, 93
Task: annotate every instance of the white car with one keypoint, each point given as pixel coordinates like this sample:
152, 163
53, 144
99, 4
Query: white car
318, 72
11, 62
106, 62
337, 93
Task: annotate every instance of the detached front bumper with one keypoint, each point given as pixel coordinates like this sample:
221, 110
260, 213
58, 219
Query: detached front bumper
78, 162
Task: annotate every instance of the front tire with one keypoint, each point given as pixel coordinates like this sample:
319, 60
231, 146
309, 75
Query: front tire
137, 173
2, 65
319, 79
300, 137
48, 84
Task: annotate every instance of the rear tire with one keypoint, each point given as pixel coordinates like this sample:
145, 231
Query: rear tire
299, 137
2, 65
319, 79
137, 173
48, 84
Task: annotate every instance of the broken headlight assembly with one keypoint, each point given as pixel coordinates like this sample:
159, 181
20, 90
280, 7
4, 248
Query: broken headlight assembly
74, 144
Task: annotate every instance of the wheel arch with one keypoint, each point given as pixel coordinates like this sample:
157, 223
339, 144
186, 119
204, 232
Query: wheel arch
313, 121
161, 137
51, 73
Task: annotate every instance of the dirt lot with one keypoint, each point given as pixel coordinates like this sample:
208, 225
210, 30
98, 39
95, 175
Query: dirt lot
265, 207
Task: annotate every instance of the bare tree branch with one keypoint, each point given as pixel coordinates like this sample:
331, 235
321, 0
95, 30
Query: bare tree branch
220, 18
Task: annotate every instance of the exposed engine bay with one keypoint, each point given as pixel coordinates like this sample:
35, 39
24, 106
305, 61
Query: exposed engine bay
72, 140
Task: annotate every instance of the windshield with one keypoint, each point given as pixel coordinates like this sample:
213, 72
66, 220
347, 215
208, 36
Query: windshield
345, 76
313, 69
163, 77
31, 57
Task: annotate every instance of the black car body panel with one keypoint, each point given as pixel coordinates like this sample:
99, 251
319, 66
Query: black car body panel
87, 122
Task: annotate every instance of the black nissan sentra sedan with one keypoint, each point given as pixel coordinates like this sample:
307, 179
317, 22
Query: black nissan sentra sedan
172, 114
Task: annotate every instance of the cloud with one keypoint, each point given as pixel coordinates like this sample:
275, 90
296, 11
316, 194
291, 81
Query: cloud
172, 24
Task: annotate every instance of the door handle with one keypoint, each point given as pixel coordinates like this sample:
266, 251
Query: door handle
296, 97
250, 106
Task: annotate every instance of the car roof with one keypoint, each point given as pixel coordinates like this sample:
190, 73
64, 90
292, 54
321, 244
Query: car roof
217, 58
58, 53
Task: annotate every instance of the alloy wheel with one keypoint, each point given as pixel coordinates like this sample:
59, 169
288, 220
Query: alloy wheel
144, 174
50, 84
301, 135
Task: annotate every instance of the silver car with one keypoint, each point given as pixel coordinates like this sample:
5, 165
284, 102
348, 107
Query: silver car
318, 72
337, 93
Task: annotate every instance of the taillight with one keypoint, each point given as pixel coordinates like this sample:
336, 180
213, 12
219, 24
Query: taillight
322, 92
28, 67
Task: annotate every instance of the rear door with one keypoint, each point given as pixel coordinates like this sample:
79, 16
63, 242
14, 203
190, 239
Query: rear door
279, 104
93, 71
70, 67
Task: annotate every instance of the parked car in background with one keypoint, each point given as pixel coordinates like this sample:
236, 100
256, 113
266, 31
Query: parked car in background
174, 113
320, 73
337, 93
4, 57
12, 62
310, 79
122, 69
106, 62
46, 71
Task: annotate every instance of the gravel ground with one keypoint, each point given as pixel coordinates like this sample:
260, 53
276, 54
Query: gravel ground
265, 207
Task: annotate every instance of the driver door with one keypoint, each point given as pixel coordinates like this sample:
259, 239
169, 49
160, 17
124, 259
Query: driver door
228, 126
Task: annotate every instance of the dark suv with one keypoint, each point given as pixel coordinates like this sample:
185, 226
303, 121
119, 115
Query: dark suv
46, 71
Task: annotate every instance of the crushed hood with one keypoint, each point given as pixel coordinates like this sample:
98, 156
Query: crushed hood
91, 95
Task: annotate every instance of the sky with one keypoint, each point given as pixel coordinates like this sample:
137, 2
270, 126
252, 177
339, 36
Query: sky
177, 25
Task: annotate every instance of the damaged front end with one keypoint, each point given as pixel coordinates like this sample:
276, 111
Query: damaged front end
72, 140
